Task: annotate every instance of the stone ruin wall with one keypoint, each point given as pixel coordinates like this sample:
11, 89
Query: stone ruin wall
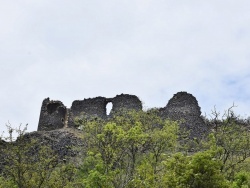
54, 115
182, 106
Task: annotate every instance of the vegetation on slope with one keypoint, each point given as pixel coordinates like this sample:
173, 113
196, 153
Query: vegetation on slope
136, 149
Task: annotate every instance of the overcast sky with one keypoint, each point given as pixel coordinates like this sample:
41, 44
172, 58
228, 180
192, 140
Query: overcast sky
76, 49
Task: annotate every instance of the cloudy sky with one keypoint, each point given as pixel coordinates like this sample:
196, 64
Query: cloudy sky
69, 50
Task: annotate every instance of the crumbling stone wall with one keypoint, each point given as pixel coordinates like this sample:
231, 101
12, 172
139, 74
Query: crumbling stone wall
93, 107
126, 102
184, 106
52, 115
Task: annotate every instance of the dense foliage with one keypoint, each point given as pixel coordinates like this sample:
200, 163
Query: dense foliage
137, 149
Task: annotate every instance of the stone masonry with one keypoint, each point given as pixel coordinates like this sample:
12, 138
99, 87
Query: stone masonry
54, 115
182, 106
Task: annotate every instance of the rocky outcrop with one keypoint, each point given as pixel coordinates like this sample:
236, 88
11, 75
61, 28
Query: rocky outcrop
63, 141
66, 143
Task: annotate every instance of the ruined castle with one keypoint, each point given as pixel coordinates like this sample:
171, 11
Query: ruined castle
57, 129
182, 106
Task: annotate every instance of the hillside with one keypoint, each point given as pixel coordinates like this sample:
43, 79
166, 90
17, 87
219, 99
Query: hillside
172, 146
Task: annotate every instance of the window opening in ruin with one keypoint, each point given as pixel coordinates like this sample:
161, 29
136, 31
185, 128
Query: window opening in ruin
109, 107
52, 107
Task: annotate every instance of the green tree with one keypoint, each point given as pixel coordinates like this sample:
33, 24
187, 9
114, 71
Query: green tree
232, 142
28, 164
241, 180
117, 147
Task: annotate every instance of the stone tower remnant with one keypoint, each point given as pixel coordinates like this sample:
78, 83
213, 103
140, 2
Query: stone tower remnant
184, 107
52, 115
